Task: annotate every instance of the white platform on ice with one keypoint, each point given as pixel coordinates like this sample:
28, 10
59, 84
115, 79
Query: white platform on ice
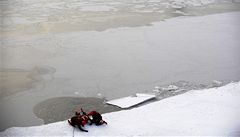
130, 101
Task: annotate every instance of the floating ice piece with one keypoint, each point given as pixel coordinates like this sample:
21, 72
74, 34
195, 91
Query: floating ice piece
178, 4
179, 90
170, 88
77, 93
130, 101
156, 89
217, 83
180, 12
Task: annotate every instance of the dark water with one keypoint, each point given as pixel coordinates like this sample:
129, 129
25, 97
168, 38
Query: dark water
62, 108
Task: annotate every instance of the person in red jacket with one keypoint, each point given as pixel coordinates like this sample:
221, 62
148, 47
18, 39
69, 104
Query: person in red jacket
78, 121
94, 117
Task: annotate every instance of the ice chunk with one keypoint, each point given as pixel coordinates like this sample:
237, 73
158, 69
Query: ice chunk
217, 83
130, 101
170, 88
156, 89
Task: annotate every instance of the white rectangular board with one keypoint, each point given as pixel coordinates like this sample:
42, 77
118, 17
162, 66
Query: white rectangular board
130, 101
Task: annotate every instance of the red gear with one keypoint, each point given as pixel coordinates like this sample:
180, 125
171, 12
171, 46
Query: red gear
92, 113
84, 119
84, 123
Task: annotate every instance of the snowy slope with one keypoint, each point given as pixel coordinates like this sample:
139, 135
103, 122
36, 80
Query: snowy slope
203, 112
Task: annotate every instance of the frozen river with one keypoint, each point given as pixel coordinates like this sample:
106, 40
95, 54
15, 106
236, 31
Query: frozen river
108, 49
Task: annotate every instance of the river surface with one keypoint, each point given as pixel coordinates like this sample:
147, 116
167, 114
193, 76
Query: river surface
64, 49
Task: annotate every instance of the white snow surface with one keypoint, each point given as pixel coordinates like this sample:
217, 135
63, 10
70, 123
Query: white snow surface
130, 101
198, 112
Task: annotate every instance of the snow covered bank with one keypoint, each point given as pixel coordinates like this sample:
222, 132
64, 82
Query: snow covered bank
203, 112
